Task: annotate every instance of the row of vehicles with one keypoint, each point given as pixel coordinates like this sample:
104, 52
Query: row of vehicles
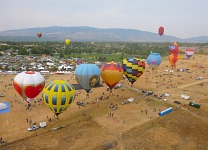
35, 127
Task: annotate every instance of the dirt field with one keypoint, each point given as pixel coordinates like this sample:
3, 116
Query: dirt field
132, 126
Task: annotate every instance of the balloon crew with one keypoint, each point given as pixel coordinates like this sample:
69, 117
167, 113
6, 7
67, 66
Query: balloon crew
133, 69
58, 95
111, 73
173, 54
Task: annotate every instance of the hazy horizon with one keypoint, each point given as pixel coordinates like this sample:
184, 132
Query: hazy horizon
182, 19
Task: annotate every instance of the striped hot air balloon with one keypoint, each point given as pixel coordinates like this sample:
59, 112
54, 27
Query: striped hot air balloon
58, 95
189, 52
133, 68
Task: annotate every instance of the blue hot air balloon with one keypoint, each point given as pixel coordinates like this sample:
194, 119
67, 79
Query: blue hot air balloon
154, 60
87, 75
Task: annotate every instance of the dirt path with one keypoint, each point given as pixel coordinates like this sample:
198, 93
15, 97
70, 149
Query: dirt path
194, 83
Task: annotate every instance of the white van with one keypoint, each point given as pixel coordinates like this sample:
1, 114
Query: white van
43, 124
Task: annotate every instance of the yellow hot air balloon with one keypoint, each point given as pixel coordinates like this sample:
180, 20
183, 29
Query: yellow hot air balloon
111, 73
67, 41
58, 95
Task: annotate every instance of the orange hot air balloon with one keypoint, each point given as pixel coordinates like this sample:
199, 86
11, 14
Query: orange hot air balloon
39, 34
173, 59
161, 30
111, 73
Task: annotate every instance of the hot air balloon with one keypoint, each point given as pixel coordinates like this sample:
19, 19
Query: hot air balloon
133, 68
58, 96
87, 75
189, 52
161, 30
39, 34
173, 56
29, 84
154, 60
111, 73
67, 41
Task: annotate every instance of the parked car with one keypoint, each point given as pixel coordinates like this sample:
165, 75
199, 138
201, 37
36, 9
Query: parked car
194, 104
149, 92
177, 102
34, 127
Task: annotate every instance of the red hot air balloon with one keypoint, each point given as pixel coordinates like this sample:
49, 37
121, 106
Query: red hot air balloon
161, 30
111, 73
39, 34
29, 84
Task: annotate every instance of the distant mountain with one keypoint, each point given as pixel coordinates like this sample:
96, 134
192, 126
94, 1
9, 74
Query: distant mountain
83, 33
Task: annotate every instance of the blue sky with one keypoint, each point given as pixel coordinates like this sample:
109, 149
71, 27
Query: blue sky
181, 18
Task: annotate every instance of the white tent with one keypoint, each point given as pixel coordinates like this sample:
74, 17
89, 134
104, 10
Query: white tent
185, 96
130, 99
3, 106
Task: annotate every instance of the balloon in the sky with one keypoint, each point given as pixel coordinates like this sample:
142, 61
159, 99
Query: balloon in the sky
133, 68
29, 84
39, 34
67, 41
87, 75
154, 60
189, 52
111, 73
58, 95
161, 30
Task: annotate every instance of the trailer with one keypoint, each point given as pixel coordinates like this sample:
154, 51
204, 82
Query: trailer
164, 112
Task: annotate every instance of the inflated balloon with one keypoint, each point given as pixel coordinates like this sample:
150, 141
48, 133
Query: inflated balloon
133, 68
173, 59
39, 34
111, 73
189, 52
174, 48
29, 84
67, 41
173, 56
58, 95
154, 60
161, 30
87, 75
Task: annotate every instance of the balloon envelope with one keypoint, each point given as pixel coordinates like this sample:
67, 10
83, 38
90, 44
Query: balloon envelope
133, 68
111, 73
87, 75
67, 41
29, 84
173, 59
58, 95
161, 30
189, 52
39, 34
154, 60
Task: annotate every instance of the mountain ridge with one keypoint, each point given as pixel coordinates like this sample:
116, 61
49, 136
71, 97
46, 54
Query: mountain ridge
87, 34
